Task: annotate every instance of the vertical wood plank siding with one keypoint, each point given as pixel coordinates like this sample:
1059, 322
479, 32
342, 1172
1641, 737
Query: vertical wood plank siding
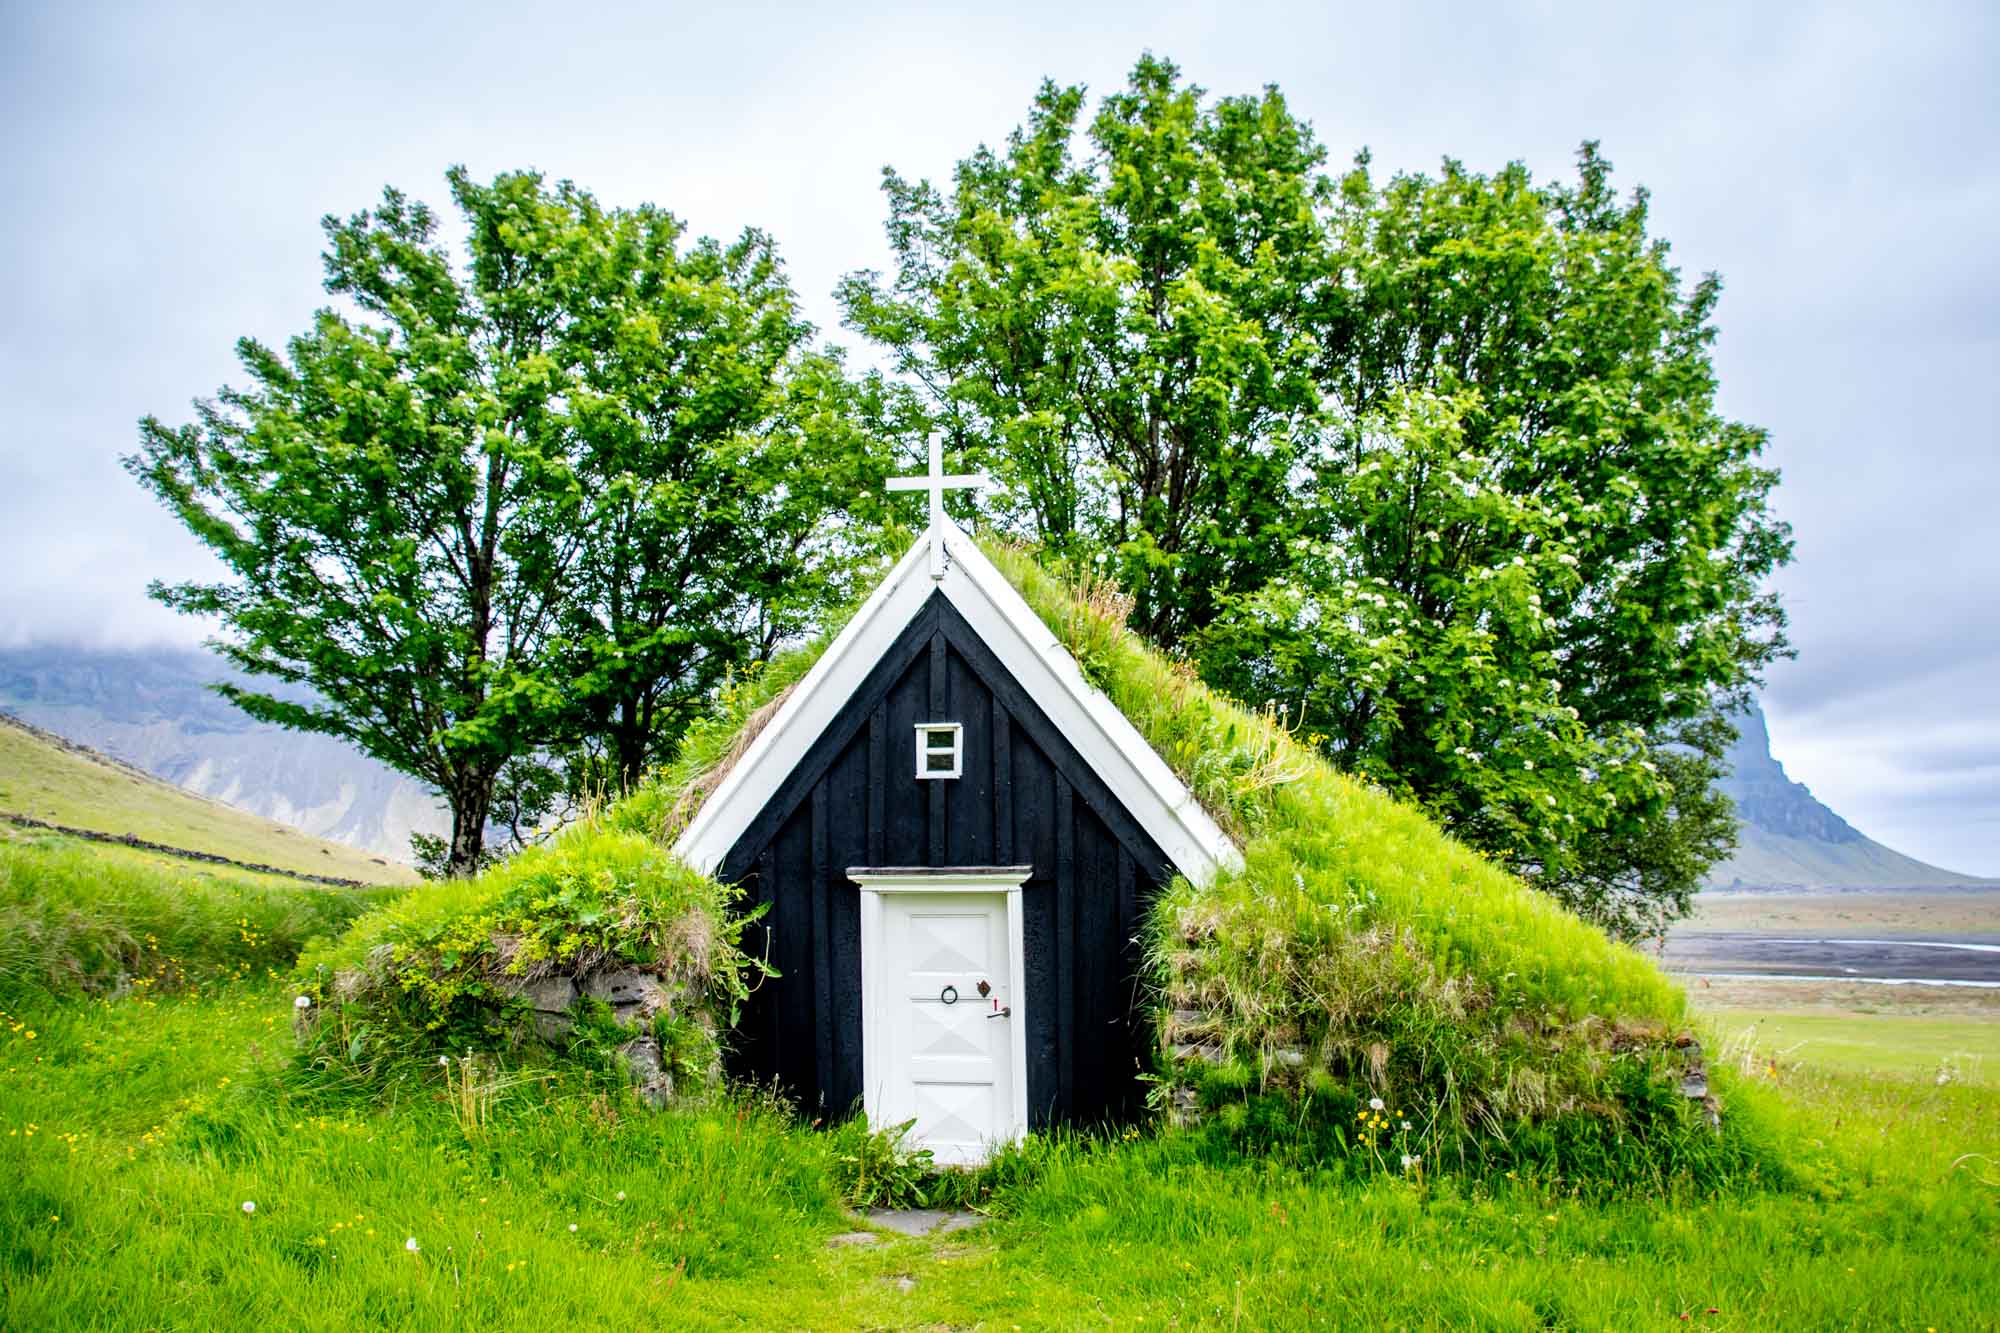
1025, 797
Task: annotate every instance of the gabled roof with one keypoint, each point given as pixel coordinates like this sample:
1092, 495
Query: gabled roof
1102, 735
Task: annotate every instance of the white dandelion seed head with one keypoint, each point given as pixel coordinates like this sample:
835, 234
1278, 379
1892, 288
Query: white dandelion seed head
572, 1226
1406, 1124
411, 1245
303, 1002
249, 1206
1374, 1103
444, 1061
621, 1196
1408, 1161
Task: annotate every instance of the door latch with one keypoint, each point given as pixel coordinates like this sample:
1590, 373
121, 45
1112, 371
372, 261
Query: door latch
1001, 1012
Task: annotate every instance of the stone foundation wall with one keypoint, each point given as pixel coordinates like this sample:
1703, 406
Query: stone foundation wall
636, 998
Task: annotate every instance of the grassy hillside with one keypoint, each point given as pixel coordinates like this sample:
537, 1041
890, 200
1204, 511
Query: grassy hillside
43, 780
77, 917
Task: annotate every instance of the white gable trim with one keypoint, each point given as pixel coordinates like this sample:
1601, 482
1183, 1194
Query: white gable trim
1083, 714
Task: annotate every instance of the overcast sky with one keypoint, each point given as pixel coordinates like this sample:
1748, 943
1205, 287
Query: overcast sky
165, 173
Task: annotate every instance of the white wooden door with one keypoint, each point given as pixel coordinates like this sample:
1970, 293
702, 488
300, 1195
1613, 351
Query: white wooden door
950, 1050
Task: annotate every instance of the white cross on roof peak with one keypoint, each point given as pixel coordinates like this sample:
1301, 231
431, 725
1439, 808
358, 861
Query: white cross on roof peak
937, 482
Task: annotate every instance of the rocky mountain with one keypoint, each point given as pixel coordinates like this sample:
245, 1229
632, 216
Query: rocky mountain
1788, 839
153, 709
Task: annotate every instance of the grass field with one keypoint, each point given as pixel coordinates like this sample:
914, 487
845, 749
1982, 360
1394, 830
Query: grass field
57, 786
133, 1132
116, 858
1905, 1045
80, 918
165, 1163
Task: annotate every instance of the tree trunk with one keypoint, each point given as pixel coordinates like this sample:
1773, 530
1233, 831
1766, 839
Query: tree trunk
470, 805
628, 744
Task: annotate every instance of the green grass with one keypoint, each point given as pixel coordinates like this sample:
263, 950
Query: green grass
132, 1131
57, 786
74, 919
1910, 1046
440, 971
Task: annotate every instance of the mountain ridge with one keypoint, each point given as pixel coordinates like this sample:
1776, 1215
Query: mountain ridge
1789, 839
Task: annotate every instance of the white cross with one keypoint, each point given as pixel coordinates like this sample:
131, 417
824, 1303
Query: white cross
937, 483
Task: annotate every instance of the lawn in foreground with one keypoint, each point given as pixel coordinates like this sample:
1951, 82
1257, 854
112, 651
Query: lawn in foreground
133, 1131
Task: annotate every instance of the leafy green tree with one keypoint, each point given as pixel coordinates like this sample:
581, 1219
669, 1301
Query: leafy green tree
1536, 579
481, 513
735, 489
1122, 330
1456, 497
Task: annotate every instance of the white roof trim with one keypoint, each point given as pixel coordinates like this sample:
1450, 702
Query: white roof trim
1086, 717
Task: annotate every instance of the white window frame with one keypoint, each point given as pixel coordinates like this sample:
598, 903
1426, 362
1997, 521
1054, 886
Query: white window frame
926, 751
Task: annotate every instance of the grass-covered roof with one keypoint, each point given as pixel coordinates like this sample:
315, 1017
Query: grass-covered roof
1360, 952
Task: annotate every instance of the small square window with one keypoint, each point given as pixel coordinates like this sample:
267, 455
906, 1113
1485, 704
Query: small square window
940, 749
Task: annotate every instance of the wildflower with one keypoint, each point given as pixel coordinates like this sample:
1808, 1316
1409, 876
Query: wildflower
444, 1062
411, 1245
1374, 1103
1406, 1124
621, 1196
303, 1002
249, 1206
572, 1226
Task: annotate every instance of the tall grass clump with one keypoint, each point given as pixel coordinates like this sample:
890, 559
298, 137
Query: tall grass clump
1367, 988
74, 920
576, 949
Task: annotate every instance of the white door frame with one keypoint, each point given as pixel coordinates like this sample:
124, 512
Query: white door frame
877, 996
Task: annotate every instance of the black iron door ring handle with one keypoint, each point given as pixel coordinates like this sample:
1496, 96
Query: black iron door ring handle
949, 995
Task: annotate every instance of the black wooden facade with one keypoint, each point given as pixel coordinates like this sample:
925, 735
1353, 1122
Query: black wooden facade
1026, 797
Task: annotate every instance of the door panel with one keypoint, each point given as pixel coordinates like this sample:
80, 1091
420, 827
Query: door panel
950, 1048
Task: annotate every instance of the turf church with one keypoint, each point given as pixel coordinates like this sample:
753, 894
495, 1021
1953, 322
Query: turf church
957, 837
